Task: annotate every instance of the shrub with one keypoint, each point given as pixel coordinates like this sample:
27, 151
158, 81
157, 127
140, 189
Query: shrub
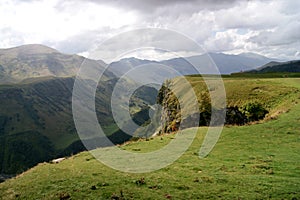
254, 111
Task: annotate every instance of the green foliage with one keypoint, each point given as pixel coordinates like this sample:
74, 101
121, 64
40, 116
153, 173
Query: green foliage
204, 102
234, 116
24, 150
3, 121
254, 111
161, 94
171, 115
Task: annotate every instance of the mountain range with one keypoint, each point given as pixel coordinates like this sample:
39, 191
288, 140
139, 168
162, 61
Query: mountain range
33, 61
225, 63
36, 83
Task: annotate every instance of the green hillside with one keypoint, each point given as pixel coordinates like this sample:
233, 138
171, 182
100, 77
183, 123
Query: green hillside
36, 121
259, 161
248, 99
290, 66
271, 92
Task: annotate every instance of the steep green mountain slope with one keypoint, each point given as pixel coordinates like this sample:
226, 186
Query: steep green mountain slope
259, 161
36, 121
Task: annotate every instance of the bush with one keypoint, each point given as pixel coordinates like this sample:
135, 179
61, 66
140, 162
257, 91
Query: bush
254, 111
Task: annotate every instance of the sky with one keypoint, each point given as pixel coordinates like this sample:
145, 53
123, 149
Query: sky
269, 28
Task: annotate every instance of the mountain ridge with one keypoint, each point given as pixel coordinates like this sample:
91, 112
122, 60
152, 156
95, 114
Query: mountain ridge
292, 66
29, 49
226, 63
34, 60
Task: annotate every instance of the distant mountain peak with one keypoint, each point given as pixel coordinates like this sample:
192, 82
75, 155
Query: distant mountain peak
29, 49
134, 59
249, 54
35, 60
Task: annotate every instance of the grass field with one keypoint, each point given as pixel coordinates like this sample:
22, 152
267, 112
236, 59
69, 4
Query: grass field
271, 92
259, 161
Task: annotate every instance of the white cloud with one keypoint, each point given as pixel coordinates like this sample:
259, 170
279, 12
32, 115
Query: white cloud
41, 21
252, 14
283, 35
75, 26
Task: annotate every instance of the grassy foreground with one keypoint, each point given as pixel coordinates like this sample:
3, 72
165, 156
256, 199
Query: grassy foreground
259, 161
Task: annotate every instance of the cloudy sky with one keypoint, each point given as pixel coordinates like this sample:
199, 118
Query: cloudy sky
270, 28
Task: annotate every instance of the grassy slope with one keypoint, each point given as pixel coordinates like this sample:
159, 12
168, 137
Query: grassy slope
259, 161
270, 92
